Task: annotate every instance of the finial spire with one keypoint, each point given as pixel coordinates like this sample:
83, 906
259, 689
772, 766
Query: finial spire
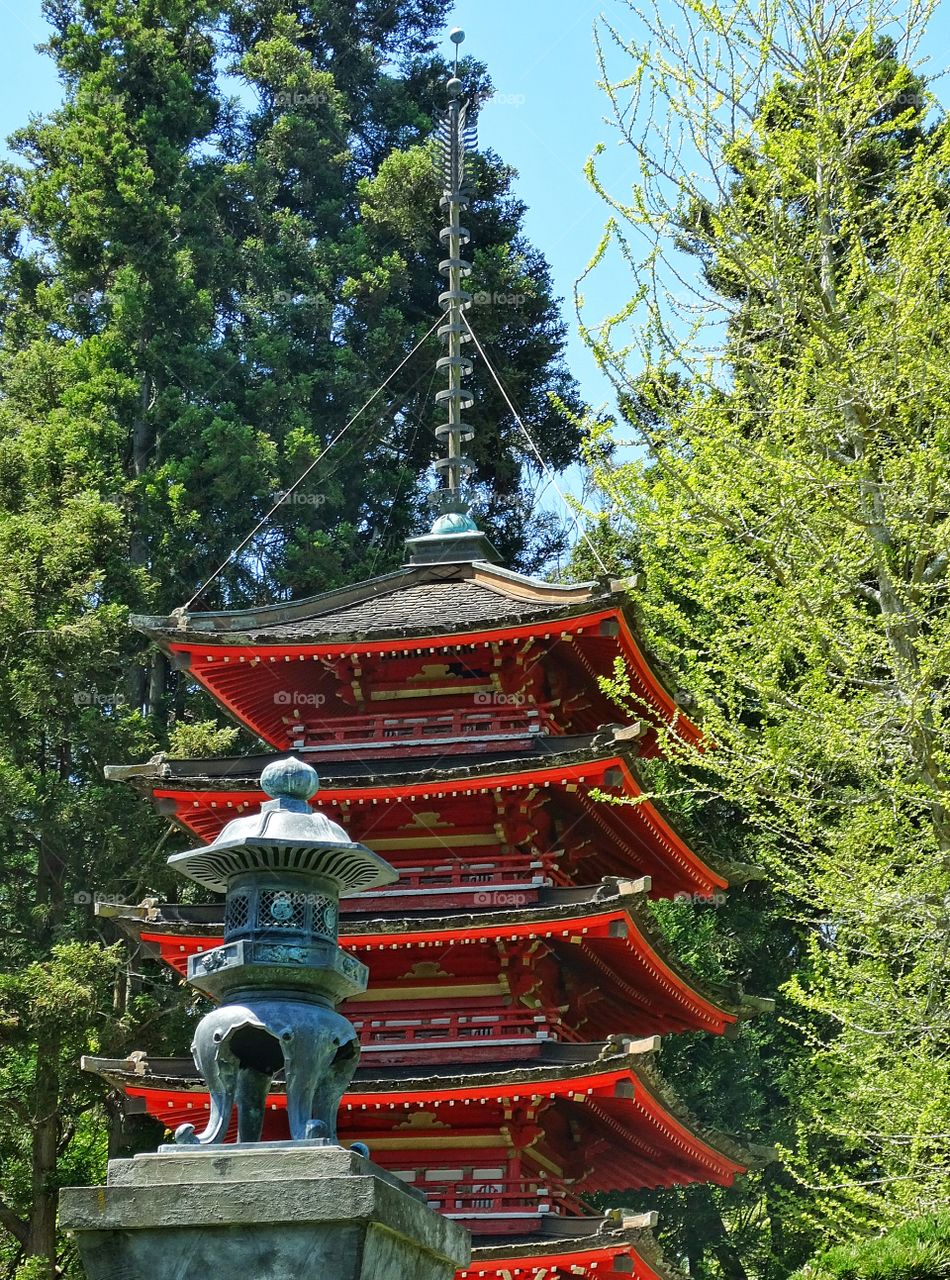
454, 535
458, 137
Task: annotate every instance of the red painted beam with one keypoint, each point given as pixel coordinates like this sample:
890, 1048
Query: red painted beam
208, 663
618, 1097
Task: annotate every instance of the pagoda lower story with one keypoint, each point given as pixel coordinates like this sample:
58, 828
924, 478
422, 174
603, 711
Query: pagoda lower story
518, 984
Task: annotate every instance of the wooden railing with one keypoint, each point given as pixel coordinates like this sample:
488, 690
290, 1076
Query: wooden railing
465, 728
502, 868
396, 1029
504, 880
505, 1197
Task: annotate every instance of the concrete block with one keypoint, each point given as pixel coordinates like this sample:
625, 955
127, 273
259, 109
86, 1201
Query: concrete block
259, 1211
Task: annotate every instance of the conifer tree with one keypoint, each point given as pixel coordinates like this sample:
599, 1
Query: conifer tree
197, 292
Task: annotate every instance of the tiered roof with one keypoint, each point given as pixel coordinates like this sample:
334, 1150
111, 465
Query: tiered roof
459, 716
517, 945
605, 935
454, 714
634, 1119
328, 657
385, 802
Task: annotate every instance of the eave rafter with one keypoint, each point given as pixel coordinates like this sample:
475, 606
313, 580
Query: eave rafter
615, 1084
628, 835
620, 1245
612, 932
585, 627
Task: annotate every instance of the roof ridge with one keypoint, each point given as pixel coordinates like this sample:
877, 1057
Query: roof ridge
284, 610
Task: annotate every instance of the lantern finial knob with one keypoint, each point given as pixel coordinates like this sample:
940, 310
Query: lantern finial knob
290, 779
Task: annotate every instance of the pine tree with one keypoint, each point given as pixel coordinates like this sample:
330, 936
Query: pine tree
198, 292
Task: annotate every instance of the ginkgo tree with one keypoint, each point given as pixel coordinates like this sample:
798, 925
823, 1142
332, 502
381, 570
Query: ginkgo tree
781, 357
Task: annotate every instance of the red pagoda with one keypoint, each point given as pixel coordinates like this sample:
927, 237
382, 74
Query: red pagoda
518, 985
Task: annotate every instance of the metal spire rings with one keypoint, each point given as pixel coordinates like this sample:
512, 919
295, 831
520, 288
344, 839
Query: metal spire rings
457, 137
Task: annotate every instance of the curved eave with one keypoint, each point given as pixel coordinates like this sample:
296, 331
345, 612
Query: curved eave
194, 801
196, 653
517, 608
617, 1239
613, 930
619, 1089
508, 585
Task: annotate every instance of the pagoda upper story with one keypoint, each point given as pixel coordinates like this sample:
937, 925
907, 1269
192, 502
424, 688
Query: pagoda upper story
457, 656
530, 817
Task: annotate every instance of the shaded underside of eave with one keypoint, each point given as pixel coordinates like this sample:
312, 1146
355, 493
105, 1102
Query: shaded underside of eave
603, 750
451, 630
564, 1064
580, 1067
599, 901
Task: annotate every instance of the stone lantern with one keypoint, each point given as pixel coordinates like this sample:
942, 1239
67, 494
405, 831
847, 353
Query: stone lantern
280, 971
269, 1210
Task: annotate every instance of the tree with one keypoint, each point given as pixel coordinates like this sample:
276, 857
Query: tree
196, 293
734, 1083
788, 517
916, 1250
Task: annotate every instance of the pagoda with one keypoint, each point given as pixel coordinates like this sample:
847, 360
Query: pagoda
518, 987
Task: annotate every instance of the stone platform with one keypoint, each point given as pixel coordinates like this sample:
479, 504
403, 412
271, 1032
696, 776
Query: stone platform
259, 1211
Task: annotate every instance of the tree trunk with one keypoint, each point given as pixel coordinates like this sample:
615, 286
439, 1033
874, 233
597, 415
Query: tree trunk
157, 685
720, 1244
41, 1241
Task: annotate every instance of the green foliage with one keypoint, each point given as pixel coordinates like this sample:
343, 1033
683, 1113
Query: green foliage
916, 1250
200, 740
786, 514
196, 295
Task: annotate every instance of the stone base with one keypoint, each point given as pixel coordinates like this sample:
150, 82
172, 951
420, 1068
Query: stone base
259, 1211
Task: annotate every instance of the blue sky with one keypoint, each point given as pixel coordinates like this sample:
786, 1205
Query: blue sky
544, 120
547, 116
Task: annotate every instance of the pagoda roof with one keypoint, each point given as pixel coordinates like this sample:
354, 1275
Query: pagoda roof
416, 600
234, 773
575, 1246
201, 795
625, 959
654, 1139
418, 610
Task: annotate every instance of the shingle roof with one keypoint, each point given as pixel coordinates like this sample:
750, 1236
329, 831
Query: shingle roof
240, 772
555, 904
556, 1063
440, 604
423, 600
